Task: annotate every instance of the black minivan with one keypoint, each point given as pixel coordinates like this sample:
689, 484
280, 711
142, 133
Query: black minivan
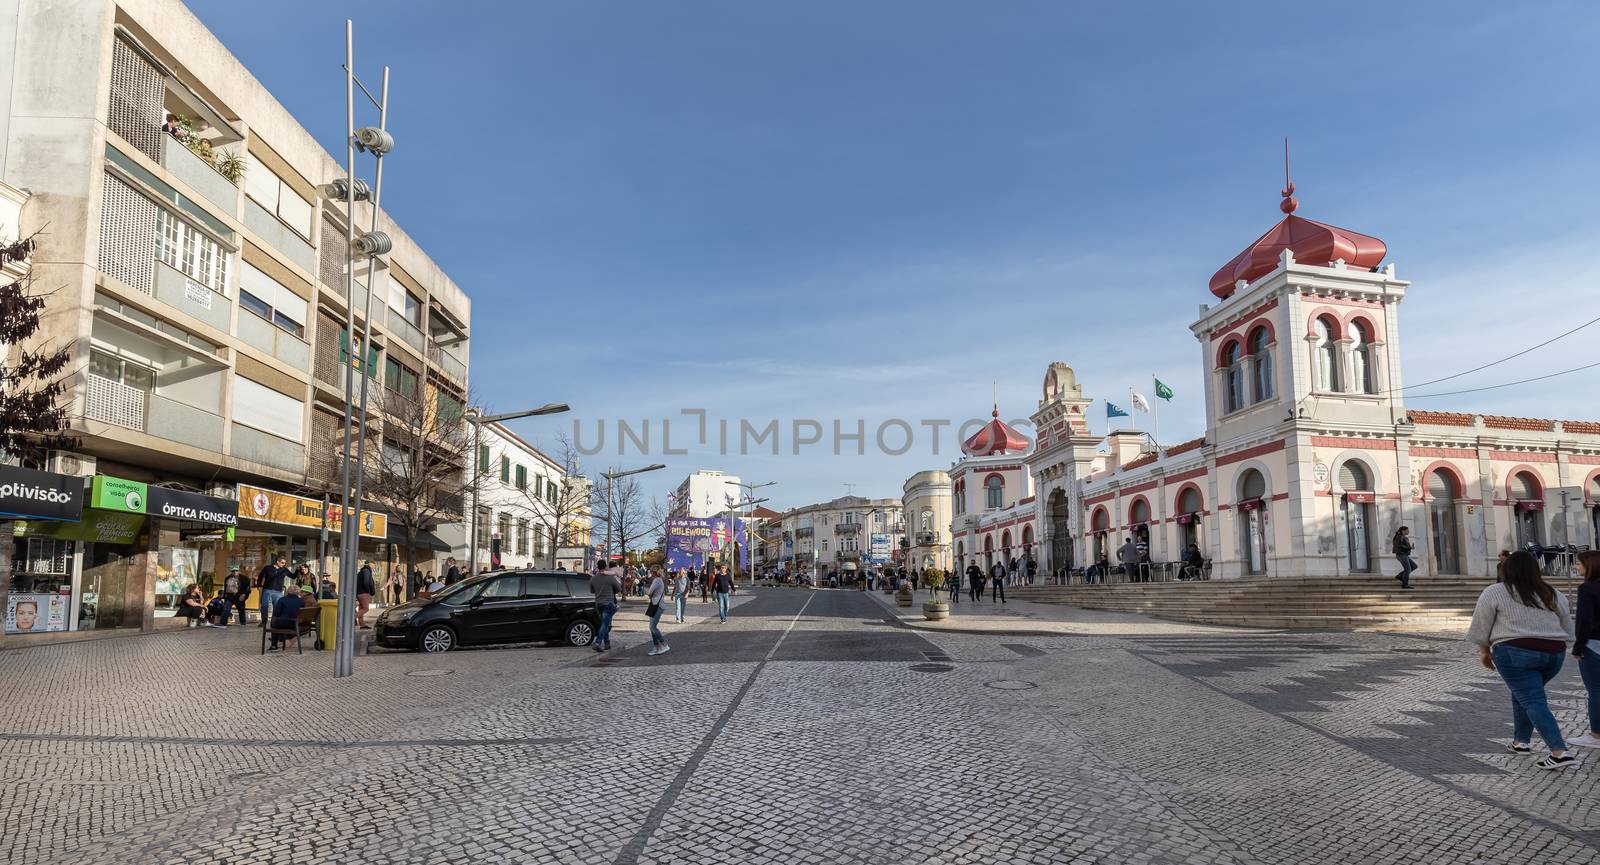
500, 607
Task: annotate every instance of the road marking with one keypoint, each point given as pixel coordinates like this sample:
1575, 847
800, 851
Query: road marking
792, 622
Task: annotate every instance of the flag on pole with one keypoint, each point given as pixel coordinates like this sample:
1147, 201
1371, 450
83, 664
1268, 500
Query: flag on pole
1162, 391
1112, 411
1138, 400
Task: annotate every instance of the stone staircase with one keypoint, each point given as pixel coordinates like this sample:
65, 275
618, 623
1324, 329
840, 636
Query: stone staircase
1364, 603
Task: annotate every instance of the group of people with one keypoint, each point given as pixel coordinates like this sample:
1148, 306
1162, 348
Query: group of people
1523, 628
658, 586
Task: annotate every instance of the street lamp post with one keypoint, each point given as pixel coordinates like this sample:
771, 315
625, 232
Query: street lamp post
477, 418
751, 489
621, 529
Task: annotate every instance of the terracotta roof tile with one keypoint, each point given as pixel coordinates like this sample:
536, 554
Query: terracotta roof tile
1141, 460
1441, 418
1581, 427
1519, 423
1185, 447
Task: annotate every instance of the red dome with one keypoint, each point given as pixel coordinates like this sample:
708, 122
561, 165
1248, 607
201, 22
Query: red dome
994, 438
1311, 242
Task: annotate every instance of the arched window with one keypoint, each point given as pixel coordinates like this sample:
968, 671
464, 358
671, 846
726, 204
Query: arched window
1361, 358
961, 497
1327, 354
1234, 373
1357, 508
1443, 522
1252, 522
1527, 500
993, 488
1261, 376
927, 520
1188, 516
1139, 513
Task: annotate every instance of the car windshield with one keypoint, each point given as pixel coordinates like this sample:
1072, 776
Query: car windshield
459, 593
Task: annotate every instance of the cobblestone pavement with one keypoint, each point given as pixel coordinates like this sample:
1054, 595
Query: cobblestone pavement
809, 728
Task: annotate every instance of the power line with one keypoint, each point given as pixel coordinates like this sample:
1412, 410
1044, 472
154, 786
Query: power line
1507, 384
1498, 362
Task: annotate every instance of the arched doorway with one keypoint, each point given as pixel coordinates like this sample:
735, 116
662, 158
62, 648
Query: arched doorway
1101, 525
961, 555
1527, 504
1007, 554
1139, 522
1189, 507
1253, 521
1060, 532
1027, 543
1443, 523
988, 553
1357, 505
1594, 511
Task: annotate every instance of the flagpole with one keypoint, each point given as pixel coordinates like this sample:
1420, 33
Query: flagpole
1155, 411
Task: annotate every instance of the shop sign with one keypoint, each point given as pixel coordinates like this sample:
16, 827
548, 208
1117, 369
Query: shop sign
39, 495
192, 507
1359, 496
101, 527
36, 613
116, 494
270, 506
1530, 504
1250, 504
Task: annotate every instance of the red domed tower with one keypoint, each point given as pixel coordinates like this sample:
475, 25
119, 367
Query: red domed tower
995, 438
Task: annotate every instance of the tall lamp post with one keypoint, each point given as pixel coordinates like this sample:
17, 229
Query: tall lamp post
751, 490
477, 418
610, 476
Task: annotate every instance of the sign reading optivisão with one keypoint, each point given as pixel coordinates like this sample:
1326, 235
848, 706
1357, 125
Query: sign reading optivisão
39, 495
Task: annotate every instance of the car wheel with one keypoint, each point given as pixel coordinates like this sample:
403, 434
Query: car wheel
580, 633
436, 639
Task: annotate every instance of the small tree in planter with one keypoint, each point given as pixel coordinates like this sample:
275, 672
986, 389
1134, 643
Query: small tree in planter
934, 608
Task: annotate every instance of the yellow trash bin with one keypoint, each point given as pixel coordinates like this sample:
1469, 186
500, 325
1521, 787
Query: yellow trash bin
327, 622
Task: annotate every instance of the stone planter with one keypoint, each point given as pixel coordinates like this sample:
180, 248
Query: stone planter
903, 597
936, 611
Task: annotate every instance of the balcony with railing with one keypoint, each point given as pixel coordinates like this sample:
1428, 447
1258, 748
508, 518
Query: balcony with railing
135, 408
847, 529
447, 363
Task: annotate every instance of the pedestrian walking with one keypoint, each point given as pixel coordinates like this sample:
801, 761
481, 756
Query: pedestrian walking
1128, 557
416, 584
704, 578
1033, 570
1402, 548
955, 586
366, 587
604, 585
656, 592
235, 588
724, 587
396, 585
269, 583
997, 576
452, 572
1520, 626
680, 595
1588, 628
974, 583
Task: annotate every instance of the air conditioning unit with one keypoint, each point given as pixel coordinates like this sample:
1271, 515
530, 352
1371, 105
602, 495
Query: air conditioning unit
69, 463
223, 491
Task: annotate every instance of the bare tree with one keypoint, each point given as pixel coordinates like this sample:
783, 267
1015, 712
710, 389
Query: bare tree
31, 414
423, 471
562, 508
630, 516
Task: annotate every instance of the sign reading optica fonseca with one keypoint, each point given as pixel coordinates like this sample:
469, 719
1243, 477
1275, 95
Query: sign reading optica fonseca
271, 506
119, 494
40, 495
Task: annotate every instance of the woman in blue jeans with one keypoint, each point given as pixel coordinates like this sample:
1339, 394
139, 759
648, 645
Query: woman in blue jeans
1521, 627
680, 595
1588, 628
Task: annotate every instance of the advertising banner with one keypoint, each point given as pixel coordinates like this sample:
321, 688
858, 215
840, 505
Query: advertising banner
271, 506
36, 613
39, 495
118, 494
101, 527
692, 541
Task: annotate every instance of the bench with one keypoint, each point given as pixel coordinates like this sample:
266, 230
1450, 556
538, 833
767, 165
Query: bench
304, 623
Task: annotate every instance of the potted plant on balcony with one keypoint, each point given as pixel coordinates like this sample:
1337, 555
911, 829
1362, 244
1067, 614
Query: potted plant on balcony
935, 608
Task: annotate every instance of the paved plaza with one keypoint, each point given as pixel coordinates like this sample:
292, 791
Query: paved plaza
812, 727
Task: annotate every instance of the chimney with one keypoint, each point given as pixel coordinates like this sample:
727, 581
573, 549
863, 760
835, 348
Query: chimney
1126, 446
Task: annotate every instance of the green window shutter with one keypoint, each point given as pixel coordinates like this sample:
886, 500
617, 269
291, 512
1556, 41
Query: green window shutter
483, 458
505, 470
522, 477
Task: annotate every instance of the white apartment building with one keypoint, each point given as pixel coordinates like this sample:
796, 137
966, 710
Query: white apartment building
706, 493
844, 534
928, 504
527, 506
206, 308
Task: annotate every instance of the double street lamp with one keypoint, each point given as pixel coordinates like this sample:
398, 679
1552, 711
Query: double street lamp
477, 418
621, 525
751, 502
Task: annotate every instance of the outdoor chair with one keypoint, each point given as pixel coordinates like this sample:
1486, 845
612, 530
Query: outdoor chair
304, 623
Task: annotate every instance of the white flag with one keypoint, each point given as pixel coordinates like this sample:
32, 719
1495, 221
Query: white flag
1138, 400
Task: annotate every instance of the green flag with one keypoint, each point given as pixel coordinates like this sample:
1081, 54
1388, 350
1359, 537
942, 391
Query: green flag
1162, 391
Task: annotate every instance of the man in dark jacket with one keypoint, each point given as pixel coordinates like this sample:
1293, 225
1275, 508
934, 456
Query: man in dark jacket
452, 574
724, 587
997, 575
269, 583
235, 588
1586, 646
1402, 552
974, 582
366, 587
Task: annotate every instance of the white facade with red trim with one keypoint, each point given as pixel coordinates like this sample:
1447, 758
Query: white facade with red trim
1311, 461
993, 515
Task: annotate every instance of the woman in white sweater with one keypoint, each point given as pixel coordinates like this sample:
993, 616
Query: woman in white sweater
1521, 627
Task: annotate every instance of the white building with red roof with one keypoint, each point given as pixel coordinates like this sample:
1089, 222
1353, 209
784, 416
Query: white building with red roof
1310, 461
992, 498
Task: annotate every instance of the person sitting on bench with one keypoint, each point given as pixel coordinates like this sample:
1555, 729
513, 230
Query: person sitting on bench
286, 614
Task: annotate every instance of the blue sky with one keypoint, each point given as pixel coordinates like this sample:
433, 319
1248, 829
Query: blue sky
876, 210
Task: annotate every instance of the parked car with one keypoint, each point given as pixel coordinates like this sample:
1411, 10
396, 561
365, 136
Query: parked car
499, 607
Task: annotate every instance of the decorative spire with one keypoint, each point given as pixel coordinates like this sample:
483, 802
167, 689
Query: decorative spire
1289, 203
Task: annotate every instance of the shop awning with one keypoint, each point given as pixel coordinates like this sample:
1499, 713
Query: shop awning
425, 540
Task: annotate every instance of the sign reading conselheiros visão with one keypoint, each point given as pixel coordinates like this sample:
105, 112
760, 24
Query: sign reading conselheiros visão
39, 495
119, 494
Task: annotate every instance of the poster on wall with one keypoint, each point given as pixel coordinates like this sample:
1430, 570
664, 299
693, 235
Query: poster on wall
36, 613
176, 568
